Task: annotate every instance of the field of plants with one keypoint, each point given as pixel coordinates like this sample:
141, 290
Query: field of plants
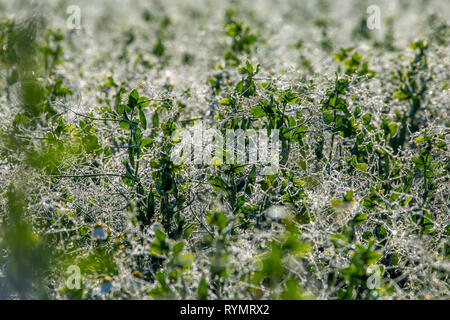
95, 97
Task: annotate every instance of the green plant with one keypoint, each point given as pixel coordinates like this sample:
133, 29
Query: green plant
352, 62
175, 263
275, 273
242, 39
412, 89
134, 120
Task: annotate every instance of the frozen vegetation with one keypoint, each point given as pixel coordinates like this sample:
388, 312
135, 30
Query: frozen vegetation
94, 93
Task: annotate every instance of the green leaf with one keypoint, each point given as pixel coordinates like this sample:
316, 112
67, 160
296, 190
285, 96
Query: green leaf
240, 87
400, 95
127, 181
133, 98
155, 120
124, 125
393, 128
419, 44
161, 236
360, 218
332, 101
292, 122
218, 183
218, 219
249, 67
141, 102
380, 232
257, 112
292, 291
348, 195
143, 119
372, 257
146, 142
120, 109
361, 166
184, 260
202, 293
225, 101
190, 230
178, 247
110, 82
242, 70
366, 118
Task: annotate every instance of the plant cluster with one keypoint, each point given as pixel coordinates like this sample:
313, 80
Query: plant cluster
357, 207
